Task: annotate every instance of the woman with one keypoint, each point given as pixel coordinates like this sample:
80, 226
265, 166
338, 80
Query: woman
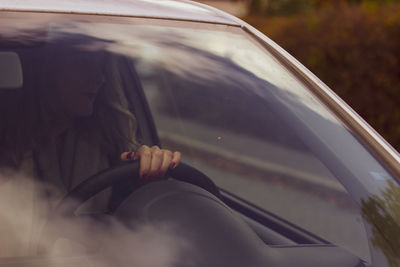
75, 120
70, 121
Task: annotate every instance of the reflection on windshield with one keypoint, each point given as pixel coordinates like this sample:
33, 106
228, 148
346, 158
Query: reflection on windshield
382, 212
99, 242
212, 62
259, 64
235, 103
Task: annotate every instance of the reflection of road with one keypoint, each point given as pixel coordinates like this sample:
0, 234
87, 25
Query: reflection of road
302, 191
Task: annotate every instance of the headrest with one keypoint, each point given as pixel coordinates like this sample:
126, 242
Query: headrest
10, 71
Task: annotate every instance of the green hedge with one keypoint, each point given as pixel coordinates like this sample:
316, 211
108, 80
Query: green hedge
355, 49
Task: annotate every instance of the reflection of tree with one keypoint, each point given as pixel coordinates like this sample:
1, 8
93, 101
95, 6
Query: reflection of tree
383, 214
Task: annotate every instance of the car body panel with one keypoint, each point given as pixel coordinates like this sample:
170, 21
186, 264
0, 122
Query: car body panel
167, 9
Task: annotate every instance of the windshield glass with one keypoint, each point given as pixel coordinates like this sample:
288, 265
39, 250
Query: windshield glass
94, 88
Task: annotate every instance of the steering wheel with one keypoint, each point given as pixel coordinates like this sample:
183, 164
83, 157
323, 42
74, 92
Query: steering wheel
125, 173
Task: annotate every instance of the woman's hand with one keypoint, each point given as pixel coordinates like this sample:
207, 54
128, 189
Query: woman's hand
154, 162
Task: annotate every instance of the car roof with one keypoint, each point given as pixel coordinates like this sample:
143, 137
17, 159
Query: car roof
165, 9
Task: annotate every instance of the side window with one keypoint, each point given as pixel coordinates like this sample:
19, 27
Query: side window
234, 136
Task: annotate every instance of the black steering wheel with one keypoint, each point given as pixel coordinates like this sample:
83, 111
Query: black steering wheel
127, 173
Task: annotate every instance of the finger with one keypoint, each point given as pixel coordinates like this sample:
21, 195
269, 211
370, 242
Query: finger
155, 148
144, 155
167, 159
156, 161
127, 156
176, 159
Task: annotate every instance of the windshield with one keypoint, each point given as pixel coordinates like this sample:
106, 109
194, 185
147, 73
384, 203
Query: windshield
93, 88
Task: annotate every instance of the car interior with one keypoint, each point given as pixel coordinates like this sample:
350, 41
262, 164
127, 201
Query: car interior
226, 230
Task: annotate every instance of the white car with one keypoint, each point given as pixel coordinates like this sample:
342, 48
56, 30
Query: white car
277, 170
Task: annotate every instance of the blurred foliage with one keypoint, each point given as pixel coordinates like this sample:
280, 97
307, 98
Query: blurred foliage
280, 7
382, 213
287, 7
352, 45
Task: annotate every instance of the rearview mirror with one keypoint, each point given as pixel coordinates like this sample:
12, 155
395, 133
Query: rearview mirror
10, 71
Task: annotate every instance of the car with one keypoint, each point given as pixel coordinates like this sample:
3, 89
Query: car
276, 169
